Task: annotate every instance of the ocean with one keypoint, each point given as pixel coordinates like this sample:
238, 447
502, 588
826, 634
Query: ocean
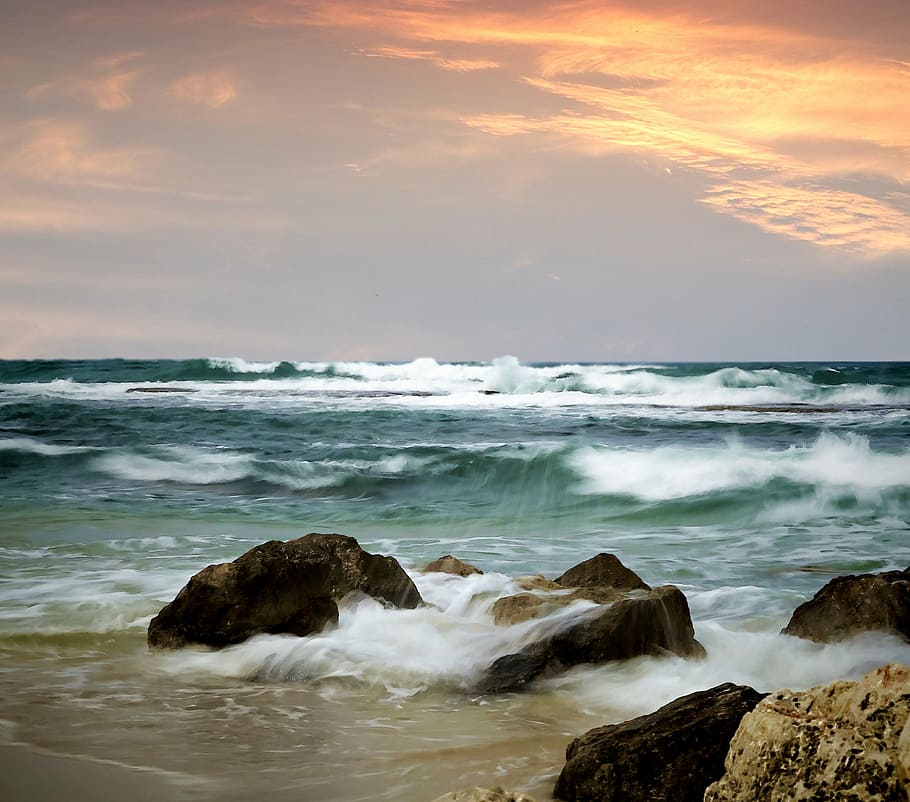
746, 485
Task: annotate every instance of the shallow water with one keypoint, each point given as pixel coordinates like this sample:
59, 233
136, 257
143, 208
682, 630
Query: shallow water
111, 499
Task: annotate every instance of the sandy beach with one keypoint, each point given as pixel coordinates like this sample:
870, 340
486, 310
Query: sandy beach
32, 775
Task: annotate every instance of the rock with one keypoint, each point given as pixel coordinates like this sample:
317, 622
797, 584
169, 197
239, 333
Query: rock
844, 741
602, 579
538, 582
452, 565
602, 571
278, 587
654, 623
671, 755
525, 606
849, 605
496, 794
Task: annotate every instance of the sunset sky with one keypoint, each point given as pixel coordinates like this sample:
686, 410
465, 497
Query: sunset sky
711, 179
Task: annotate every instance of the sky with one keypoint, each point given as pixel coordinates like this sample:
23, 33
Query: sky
351, 180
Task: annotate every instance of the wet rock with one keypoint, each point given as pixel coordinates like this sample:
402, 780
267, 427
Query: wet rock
602, 579
657, 622
844, 741
496, 794
671, 755
452, 565
602, 571
538, 582
849, 605
525, 606
278, 587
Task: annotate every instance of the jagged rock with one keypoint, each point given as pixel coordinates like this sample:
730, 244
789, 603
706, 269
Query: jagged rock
602, 579
671, 755
657, 622
278, 587
844, 741
849, 605
602, 571
496, 794
452, 565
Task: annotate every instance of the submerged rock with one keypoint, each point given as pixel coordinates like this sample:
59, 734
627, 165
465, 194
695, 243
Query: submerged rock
671, 755
657, 622
496, 794
452, 565
278, 587
849, 605
847, 740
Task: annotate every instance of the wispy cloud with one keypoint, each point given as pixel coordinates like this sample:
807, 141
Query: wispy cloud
65, 151
771, 115
826, 217
213, 89
106, 85
434, 57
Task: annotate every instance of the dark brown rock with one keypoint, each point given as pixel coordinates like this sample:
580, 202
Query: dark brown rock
602, 571
849, 605
657, 622
278, 587
671, 755
452, 565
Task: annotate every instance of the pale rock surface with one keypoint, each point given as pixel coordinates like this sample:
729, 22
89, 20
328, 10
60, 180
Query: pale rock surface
844, 741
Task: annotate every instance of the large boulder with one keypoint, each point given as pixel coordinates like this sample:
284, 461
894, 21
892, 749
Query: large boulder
655, 623
602, 571
849, 605
671, 755
844, 741
448, 564
278, 587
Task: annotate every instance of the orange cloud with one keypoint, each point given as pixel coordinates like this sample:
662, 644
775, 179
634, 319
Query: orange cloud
107, 89
826, 217
213, 89
456, 65
64, 151
767, 108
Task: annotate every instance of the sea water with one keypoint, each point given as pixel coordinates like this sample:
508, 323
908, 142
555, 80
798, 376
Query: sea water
748, 486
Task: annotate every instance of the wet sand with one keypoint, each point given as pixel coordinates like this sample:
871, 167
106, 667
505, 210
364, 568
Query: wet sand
31, 775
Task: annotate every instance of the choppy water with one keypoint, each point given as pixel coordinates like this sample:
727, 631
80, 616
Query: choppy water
119, 479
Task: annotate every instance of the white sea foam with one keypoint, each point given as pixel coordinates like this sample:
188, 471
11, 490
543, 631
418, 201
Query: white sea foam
504, 382
238, 365
406, 651
765, 660
833, 461
177, 464
31, 446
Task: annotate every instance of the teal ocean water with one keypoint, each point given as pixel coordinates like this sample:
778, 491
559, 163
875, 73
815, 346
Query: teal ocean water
747, 485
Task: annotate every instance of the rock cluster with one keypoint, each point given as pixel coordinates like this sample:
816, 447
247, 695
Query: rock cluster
655, 623
278, 587
631, 620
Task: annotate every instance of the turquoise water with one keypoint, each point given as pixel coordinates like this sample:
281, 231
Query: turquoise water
746, 485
